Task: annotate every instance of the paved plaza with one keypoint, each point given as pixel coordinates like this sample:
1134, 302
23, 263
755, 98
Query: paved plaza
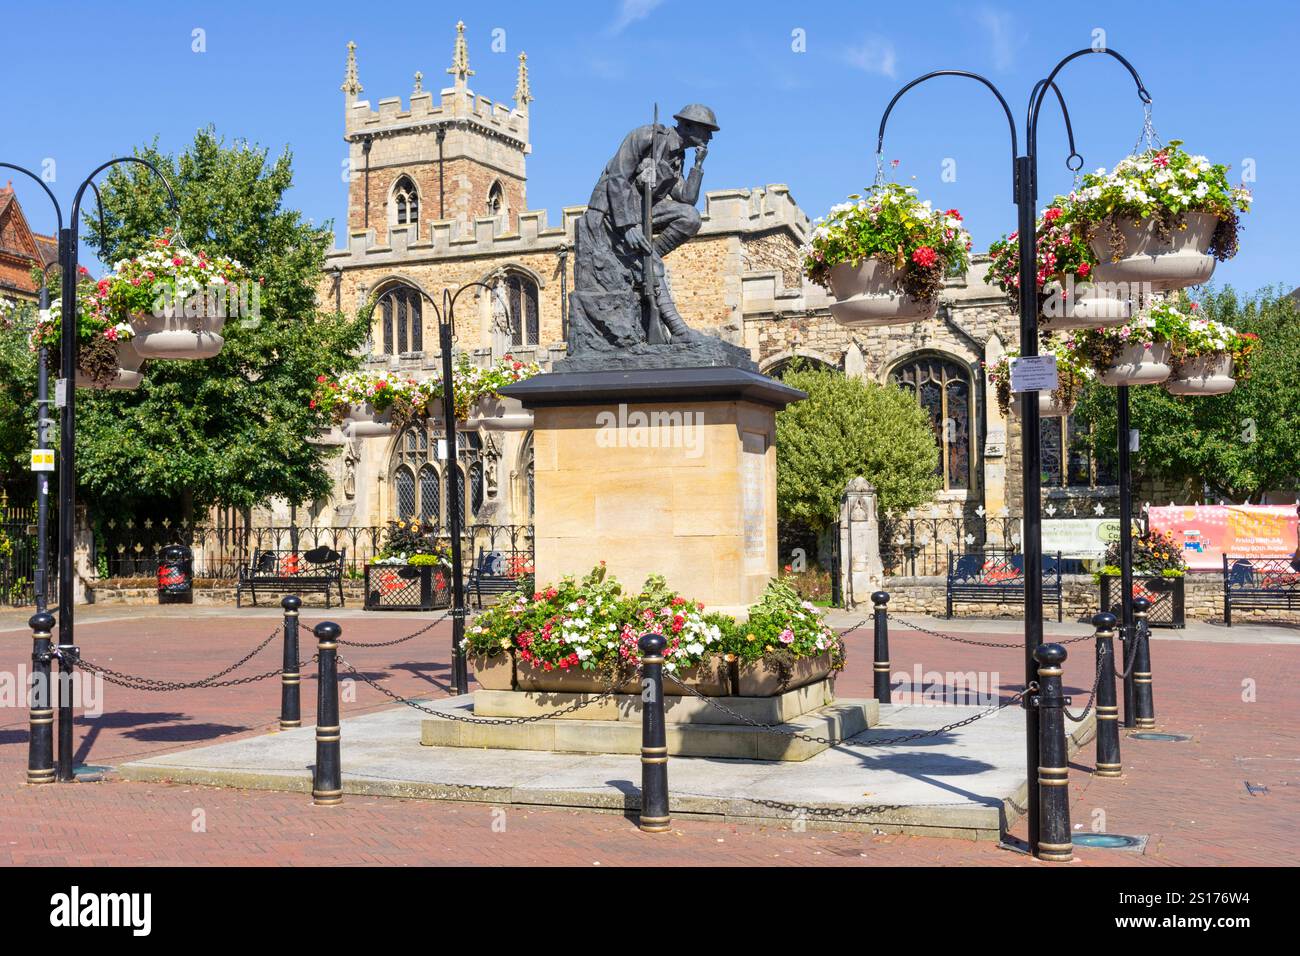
1226, 796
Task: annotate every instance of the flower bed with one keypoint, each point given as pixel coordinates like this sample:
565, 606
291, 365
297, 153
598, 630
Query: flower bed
884, 256
583, 634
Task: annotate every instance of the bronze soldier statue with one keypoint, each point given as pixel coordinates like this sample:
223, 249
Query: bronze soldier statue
621, 293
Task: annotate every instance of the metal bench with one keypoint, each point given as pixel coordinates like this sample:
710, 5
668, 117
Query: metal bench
999, 577
1260, 584
292, 572
498, 572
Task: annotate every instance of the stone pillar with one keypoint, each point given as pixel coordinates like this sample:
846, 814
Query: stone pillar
995, 436
83, 566
861, 571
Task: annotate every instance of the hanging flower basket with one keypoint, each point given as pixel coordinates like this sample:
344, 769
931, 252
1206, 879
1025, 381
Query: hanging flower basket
884, 256
1160, 219
496, 413
1143, 363
1202, 375
362, 420
128, 375
178, 301
870, 295
172, 336
1071, 374
1155, 255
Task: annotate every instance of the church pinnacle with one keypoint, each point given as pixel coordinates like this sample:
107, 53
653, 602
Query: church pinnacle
351, 85
523, 95
460, 57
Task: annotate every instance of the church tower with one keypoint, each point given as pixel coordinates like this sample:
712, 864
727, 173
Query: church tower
459, 158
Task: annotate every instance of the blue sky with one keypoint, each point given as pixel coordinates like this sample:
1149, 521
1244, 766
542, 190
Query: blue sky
1219, 74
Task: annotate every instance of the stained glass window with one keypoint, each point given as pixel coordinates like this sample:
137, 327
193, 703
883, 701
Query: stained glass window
942, 387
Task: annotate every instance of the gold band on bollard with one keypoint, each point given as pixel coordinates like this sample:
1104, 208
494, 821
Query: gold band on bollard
290, 724
1048, 671
1056, 852
655, 824
652, 660
882, 666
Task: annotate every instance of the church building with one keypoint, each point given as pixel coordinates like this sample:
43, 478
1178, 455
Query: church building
438, 198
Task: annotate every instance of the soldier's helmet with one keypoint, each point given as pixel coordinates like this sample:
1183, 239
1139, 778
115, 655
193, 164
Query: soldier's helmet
698, 113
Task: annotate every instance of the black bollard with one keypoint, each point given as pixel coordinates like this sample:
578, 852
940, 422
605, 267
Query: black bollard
290, 679
327, 780
1108, 760
40, 742
1144, 704
654, 741
881, 666
1054, 843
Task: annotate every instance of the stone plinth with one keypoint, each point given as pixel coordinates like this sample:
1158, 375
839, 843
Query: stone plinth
669, 471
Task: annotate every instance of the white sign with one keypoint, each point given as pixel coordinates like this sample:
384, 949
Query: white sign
1078, 537
1033, 373
60, 392
42, 459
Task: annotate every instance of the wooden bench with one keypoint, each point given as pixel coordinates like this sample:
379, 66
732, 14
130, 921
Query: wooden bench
498, 572
999, 577
1260, 584
292, 572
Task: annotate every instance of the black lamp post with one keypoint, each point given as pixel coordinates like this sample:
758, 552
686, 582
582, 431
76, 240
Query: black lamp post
1025, 194
68, 241
446, 334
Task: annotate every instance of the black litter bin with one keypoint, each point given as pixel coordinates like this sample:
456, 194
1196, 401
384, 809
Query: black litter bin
176, 575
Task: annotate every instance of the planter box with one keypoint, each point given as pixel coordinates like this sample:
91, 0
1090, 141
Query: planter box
405, 587
1167, 597
763, 680
494, 671
867, 295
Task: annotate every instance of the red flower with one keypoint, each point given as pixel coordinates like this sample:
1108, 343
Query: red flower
1084, 268
321, 379
82, 271
1160, 159
925, 257
954, 213
312, 403
1052, 214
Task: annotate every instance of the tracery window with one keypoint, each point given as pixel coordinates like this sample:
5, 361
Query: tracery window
943, 388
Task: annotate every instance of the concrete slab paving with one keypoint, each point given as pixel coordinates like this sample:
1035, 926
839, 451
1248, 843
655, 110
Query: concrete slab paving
967, 783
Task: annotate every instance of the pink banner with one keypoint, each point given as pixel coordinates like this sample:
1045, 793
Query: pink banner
1207, 532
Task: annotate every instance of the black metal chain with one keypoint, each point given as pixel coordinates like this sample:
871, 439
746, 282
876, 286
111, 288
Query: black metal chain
1101, 665
849, 630
1129, 656
131, 682
964, 640
848, 741
401, 640
491, 721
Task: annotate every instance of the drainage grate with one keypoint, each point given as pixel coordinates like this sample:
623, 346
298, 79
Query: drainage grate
1167, 738
1256, 789
1110, 841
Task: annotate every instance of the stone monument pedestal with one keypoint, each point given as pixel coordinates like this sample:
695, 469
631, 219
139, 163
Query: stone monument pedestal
669, 471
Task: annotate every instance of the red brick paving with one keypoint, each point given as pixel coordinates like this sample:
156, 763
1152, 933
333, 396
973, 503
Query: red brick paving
1190, 799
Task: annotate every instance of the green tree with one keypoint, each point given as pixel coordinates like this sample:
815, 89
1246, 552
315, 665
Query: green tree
232, 430
17, 390
848, 427
1235, 446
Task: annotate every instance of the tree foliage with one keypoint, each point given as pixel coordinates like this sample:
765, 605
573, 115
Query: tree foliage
17, 392
233, 430
845, 428
1235, 446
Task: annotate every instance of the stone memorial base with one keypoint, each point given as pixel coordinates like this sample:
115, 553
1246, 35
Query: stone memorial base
694, 727
658, 471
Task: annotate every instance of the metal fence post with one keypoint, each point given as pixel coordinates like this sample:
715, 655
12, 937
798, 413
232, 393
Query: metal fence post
1108, 759
880, 666
1144, 703
290, 679
40, 746
1054, 843
654, 741
327, 778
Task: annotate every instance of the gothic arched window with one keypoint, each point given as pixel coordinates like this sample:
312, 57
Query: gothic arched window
943, 389
521, 309
496, 201
400, 311
420, 476
406, 202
